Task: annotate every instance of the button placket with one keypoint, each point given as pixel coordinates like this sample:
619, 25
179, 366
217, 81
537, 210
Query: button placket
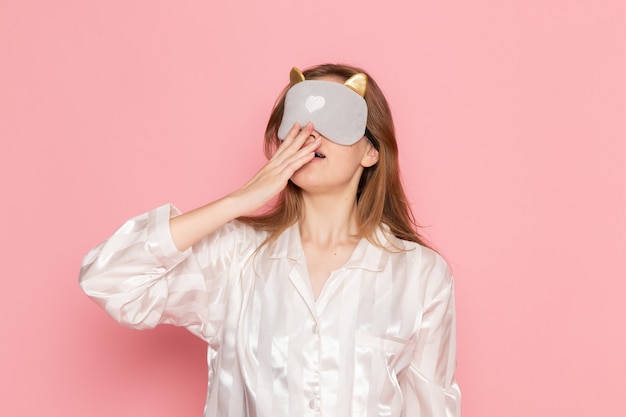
314, 402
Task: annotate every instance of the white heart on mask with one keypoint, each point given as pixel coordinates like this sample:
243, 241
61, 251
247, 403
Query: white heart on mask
314, 103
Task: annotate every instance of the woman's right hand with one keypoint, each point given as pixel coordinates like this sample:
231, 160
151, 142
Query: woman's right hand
270, 180
291, 155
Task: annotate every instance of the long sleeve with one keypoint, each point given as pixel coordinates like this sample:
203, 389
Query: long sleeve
428, 383
141, 279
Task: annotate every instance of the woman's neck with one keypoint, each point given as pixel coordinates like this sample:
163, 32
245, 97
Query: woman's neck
329, 219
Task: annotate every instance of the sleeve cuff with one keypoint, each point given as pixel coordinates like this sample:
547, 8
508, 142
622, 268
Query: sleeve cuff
160, 240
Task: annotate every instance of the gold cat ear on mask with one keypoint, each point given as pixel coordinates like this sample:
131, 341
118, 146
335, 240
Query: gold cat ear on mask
295, 76
358, 83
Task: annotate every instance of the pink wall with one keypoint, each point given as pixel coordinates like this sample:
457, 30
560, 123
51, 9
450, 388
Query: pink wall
511, 118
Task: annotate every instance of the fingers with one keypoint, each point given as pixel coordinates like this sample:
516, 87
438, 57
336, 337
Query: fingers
293, 153
295, 139
301, 146
297, 131
304, 155
309, 148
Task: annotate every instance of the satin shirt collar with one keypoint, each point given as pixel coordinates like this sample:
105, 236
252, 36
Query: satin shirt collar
365, 255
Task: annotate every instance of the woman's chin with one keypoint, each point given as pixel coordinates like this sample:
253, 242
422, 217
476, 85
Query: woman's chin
305, 180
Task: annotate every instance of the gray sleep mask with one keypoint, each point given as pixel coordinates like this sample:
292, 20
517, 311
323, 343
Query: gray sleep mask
337, 111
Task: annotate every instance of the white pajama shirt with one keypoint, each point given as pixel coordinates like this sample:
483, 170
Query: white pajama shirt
379, 340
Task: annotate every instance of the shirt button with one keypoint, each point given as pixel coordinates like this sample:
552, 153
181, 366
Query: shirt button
314, 404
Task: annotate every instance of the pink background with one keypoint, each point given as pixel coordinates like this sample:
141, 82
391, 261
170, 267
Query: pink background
511, 117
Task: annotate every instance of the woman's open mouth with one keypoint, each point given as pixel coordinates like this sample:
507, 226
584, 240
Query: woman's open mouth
319, 155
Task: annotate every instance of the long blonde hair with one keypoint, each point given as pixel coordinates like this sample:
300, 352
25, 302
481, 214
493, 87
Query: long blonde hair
380, 196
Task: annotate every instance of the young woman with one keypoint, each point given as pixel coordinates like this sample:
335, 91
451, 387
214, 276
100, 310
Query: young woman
327, 304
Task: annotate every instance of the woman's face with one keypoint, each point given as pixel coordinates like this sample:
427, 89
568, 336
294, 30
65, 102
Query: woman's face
335, 168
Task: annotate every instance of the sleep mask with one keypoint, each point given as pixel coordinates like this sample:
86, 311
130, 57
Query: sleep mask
337, 111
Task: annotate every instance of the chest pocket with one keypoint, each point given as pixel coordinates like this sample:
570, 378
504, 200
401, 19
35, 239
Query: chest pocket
378, 361
396, 352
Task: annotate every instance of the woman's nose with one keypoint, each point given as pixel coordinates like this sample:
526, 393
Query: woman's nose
312, 137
